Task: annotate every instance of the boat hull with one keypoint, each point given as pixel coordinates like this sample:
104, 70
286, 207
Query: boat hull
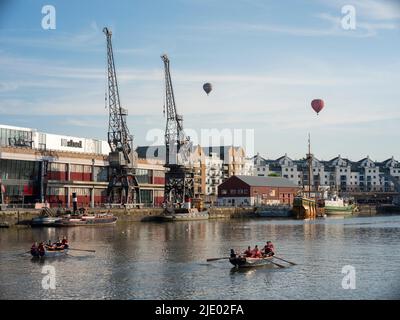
339, 210
44, 222
176, 216
49, 253
242, 262
186, 216
96, 221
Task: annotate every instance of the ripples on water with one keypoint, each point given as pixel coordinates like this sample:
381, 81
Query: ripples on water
168, 261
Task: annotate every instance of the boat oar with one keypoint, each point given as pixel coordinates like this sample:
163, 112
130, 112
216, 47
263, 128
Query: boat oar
214, 259
277, 264
81, 250
292, 263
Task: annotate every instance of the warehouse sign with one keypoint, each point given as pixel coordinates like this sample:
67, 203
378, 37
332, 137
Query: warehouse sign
71, 143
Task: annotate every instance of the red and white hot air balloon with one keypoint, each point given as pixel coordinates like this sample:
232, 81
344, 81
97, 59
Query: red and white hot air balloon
317, 105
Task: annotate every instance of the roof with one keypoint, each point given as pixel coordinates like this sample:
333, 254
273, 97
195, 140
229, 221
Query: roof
267, 181
151, 152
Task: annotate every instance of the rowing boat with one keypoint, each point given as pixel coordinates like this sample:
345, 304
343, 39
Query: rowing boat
244, 262
49, 253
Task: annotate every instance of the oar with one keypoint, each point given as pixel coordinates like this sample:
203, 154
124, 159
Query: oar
292, 263
214, 259
81, 250
277, 264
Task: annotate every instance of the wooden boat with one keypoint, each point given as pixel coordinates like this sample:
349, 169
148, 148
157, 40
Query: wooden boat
49, 253
243, 262
304, 208
95, 220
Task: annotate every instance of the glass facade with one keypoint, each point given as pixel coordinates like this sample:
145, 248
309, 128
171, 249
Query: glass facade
144, 176
15, 138
146, 196
21, 180
19, 170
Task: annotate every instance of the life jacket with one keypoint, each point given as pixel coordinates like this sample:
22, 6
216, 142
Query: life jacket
248, 253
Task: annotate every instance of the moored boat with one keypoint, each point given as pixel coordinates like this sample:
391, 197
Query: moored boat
95, 220
244, 262
304, 208
338, 206
192, 214
182, 214
44, 221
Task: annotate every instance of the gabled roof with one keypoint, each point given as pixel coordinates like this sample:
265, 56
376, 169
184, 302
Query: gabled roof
267, 181
391, 162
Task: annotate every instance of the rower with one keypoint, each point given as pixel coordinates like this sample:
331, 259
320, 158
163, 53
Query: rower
64, 242
269, 249
247, 253
34, 248
256, 253
233, 254
41, 249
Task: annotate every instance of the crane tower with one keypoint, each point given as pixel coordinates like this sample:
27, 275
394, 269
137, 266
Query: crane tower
179, 177
123, 187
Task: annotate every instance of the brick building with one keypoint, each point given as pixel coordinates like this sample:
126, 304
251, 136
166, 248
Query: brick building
248, 190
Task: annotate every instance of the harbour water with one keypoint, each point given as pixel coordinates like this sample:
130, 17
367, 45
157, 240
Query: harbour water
168, 260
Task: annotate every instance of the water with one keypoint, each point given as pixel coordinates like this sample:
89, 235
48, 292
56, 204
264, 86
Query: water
168, 261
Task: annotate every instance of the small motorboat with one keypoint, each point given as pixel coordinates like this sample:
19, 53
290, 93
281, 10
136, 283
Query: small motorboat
244, 262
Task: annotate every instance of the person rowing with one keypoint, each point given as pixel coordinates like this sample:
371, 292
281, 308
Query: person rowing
64, 242
269, 249
247, 253
34, 249
41, 249
256, 253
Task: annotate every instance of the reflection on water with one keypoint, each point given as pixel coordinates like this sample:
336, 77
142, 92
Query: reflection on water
168, 261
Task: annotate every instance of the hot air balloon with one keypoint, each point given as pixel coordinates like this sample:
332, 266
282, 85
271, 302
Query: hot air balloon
207, 87
317, 105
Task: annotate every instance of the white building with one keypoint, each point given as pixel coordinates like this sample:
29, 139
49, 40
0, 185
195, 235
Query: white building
214, 173
27, 137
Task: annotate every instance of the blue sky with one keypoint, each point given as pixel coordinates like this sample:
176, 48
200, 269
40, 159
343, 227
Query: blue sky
266, 60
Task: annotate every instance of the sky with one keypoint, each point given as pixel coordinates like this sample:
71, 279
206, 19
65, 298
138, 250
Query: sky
267, 60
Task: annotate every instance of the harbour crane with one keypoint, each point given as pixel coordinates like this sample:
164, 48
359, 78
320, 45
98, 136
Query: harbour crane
179, 176
123, 187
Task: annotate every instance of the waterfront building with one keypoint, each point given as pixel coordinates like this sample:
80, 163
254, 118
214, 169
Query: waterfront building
338, 174
38, 167
250, 190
